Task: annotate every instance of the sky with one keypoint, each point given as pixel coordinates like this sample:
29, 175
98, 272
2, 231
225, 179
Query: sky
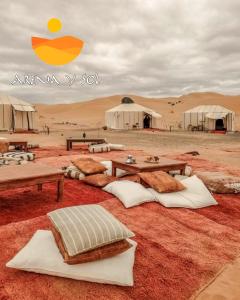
152, 48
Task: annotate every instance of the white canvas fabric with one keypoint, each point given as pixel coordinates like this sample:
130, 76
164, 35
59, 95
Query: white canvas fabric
41, 255
196, 195
131, 115
87, 227
207, 115
16, 114
129, 193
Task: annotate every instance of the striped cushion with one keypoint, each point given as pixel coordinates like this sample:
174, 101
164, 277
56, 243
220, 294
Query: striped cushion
73, 172
11, 160
87, 227
21, 155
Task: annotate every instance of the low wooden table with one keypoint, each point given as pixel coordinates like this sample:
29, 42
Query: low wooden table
164, 164
31, 174
70, 141
22, 144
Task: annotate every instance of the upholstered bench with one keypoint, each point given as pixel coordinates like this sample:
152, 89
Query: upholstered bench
28, 156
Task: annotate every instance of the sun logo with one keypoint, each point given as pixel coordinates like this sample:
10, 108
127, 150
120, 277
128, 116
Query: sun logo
58, 51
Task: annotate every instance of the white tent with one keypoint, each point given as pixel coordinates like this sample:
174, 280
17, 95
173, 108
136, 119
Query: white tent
132, 115
16, 115
209, 117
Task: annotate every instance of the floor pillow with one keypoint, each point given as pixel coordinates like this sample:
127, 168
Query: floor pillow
196, 195
187, 172
87, 227
4, 145
89, 166
129, 193
116, 147
28, 156
220, 183
99, 180
99, 148
115, 270
130, 177
73, 172
161, 182
92, 255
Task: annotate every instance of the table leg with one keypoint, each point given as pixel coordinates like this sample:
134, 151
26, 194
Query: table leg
114, 171
39, 187
182, 171
67, 145
60, 187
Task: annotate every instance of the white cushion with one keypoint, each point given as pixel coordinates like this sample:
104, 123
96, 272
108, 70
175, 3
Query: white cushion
41, 255
129, 193
116, 147
196, 195
99, 148
29, 156
180, 177
108, 165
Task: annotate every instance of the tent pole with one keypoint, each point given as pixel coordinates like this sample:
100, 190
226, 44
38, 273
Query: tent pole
13, 120
28, 121
3, 118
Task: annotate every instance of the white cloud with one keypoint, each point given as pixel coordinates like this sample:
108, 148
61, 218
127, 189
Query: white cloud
152, 48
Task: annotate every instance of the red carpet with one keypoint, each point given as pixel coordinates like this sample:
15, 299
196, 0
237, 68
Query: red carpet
178, 252
26, 203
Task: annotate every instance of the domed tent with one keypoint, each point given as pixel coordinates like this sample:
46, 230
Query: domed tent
129, 115
16, 114
209, 117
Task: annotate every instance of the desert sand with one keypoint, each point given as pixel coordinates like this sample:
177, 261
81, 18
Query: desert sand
215, 147
225, 286
90, 114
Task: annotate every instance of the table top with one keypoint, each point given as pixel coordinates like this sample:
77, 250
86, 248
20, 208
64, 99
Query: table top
141, 164
17, 142
27, 171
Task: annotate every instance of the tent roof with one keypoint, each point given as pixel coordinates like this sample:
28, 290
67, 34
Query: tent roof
209, 109
16, 103
132, 107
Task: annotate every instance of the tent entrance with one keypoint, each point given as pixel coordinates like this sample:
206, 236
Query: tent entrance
147, 121
219, 124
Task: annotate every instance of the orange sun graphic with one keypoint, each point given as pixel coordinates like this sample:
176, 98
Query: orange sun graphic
59, 51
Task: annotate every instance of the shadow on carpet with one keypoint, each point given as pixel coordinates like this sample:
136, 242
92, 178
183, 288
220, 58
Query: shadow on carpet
26, 203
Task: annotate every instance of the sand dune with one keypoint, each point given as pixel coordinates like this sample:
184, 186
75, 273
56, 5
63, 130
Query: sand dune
91, 113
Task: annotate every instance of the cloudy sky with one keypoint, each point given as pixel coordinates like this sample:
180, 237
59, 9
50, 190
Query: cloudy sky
152, 48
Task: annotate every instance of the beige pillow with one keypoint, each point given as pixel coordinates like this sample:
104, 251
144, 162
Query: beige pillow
220, 183
89, 166
99, 180
4, 145
161, 182
87, 227
106, 251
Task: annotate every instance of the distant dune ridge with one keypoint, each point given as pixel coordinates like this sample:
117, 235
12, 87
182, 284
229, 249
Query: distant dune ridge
92, 113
